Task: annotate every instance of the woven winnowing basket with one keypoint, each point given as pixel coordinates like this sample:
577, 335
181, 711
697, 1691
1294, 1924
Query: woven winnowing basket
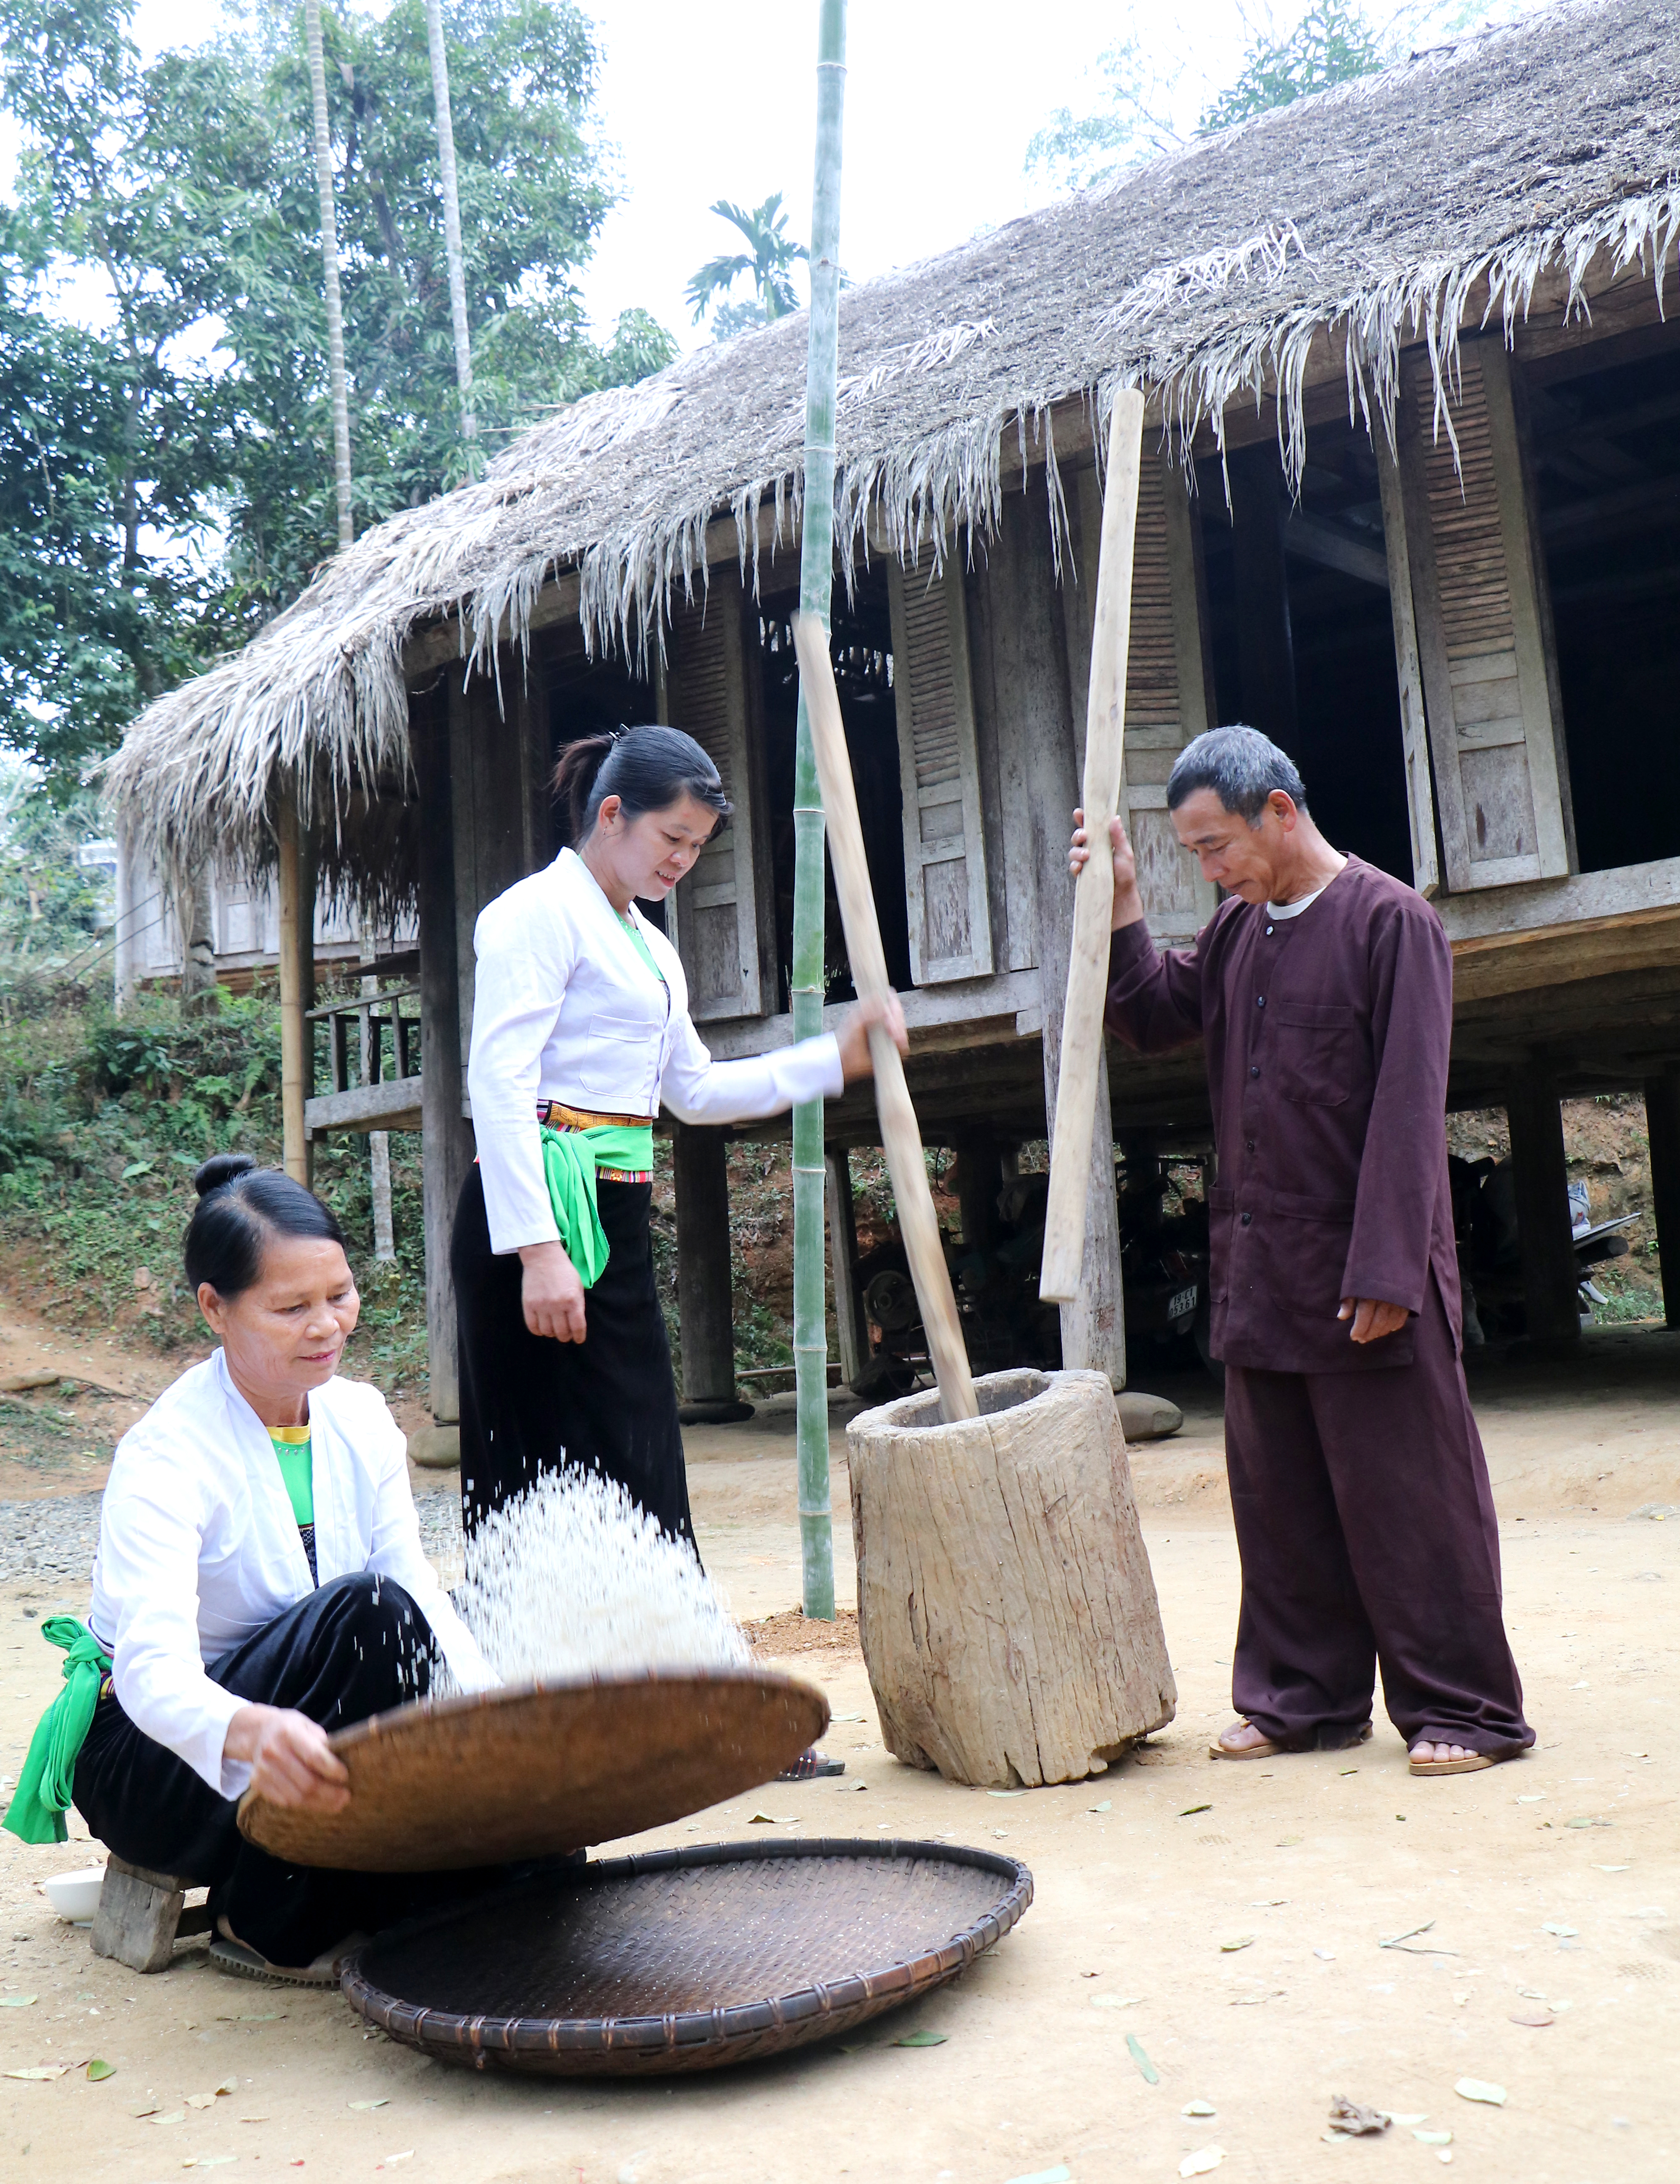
686, 1960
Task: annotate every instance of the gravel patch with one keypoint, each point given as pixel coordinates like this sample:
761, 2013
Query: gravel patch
49, 1544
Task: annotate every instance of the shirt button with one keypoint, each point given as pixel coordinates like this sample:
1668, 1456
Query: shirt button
1247, 1218
1259, 1000
1268, 932
1247, 1145
1253, 1069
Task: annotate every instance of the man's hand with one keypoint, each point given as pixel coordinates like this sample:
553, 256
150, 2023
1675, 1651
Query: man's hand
1371, 1318
551, 1293
291, 1763
889, 1013
1128, 903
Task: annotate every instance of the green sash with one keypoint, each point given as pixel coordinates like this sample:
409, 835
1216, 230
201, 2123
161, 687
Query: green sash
570, 1160
36, 1812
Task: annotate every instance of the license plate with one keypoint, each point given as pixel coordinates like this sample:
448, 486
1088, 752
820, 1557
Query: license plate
1181, 1302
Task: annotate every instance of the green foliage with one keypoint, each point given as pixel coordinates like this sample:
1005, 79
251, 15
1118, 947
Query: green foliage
103, 1121
165, 480
1333, 43
50, 905
1078, 152
769, 262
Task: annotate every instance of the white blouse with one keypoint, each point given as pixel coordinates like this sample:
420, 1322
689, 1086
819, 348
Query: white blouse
564, 1008
199, 1548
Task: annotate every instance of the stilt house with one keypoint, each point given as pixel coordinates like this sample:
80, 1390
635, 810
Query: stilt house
1411, 505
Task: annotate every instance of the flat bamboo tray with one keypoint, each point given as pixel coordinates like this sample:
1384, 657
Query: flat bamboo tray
526, 1773
683, 1960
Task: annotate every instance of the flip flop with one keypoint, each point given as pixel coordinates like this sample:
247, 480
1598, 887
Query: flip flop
239, 1962
1477, 1761
810, 1763
1269, 1748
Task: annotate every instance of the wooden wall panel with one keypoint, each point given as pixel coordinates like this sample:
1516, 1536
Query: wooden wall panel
944, 832
719, 910
1495, 728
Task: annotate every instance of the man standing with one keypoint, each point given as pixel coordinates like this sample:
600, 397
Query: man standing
1365, 1523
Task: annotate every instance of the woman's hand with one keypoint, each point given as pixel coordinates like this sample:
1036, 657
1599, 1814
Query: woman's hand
551, 1294
1128, 903
889, 1013
292, 1763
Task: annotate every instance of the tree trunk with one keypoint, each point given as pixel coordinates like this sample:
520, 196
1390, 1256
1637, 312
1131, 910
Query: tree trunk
294, 1030
335, 309
452, 223
194, 916
816, 584
1005, 1603
378, 1141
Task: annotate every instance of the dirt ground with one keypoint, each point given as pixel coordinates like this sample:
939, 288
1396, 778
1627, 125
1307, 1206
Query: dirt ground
1230, 1921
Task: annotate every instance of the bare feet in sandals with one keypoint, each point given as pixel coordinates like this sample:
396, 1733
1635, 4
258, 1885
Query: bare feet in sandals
1427, 1758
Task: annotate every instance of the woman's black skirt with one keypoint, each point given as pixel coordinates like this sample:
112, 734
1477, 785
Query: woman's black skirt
530, 1405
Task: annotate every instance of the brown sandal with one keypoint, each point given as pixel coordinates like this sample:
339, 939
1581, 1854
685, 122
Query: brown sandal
1320, 1740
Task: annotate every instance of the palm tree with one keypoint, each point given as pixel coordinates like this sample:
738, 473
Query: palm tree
770, 263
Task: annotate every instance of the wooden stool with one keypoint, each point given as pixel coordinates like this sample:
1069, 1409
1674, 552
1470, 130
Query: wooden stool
142, 1914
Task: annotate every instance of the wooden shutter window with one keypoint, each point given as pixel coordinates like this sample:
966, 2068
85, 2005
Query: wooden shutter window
944, 837
717, 907
1495, 725
1166, 683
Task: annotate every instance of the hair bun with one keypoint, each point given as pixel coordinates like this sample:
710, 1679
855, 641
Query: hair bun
220, 1168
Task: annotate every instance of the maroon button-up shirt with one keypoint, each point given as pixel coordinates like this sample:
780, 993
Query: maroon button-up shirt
1327, 1038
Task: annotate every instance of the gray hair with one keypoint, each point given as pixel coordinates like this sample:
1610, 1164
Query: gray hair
1243, 768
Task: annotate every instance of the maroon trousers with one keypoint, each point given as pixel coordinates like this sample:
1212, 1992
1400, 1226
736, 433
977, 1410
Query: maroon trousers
1367, 1530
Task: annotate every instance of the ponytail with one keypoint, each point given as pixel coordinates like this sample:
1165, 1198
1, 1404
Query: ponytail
647, 769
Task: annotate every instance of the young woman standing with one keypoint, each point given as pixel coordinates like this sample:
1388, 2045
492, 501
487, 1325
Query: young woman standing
580, 1032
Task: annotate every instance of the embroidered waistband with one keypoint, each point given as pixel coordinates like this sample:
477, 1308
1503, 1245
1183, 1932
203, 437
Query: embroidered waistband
559, 1116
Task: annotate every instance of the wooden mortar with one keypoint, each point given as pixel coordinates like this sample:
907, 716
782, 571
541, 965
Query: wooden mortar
1006, 1607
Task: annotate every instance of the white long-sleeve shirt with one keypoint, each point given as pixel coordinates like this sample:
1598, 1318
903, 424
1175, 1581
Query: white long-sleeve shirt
199, 1548
564, 1008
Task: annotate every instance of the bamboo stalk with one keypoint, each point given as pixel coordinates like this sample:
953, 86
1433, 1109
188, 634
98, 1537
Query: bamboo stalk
816, 584
451, 224
293, 1090
1081, 1051
335, 308
901, 1139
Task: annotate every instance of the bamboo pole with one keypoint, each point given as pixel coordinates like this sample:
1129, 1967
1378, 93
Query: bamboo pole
816, 584
901, 1139
293, 1089
335, 307
451, 224
1081, 1051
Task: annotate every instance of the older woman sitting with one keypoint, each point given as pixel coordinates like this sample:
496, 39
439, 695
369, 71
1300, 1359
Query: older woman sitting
259, 1581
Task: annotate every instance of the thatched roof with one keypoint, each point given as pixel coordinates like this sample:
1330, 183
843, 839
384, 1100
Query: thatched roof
1383, 210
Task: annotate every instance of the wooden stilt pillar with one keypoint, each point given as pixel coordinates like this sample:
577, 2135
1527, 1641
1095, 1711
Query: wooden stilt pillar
979, 1179
295, 918
1549, 1275
842, 1247
446, 1139
705, 1304
1662, 1122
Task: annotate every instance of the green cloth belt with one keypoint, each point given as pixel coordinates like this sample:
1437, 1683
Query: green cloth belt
36, 1812
570, 1160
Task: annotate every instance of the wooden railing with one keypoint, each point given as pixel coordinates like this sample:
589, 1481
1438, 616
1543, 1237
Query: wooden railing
373, 1057
365, 1034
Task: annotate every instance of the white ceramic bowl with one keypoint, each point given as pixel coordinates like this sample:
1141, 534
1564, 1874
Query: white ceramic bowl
76, 1894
